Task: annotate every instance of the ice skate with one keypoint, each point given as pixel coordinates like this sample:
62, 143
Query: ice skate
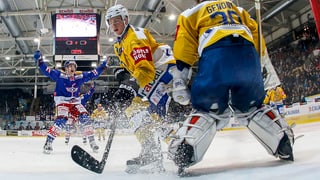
151, 164
94, 146
47, 148
67, 141
285, 146
182, 158
84, 140
150, 158
164, 133
133, 165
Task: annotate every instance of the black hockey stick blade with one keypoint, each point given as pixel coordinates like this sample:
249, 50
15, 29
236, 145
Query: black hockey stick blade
84, 159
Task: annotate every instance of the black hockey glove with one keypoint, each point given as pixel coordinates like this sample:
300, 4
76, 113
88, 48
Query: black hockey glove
122, 98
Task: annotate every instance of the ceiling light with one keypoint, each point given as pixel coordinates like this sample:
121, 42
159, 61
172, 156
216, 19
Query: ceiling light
44, 30
36, 40
172, 17
7, 58
93, 64
58, 65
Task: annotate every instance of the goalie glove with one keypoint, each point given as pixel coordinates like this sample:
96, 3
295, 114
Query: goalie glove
180, 91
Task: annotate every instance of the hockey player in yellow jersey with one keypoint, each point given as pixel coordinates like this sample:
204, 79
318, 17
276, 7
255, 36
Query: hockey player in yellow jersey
223, 40
279, 96
100, 120
275, 97
144, 72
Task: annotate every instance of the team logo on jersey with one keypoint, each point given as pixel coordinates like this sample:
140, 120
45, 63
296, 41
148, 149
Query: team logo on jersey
72, 89
119, 50
141, 53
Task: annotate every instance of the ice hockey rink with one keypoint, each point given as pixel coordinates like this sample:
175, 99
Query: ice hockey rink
233, 154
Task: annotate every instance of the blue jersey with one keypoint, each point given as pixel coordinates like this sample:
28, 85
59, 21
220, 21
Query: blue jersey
87, 96
69, 86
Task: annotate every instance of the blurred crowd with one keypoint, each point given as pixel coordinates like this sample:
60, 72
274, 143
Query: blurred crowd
297, 65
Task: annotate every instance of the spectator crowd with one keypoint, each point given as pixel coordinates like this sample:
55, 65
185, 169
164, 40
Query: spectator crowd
297, 65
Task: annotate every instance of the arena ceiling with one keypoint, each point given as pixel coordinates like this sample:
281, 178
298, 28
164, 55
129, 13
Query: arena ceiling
24, 20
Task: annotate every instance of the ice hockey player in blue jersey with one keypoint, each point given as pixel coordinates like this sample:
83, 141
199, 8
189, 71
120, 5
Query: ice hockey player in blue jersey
73, 120
67, 98
223, 40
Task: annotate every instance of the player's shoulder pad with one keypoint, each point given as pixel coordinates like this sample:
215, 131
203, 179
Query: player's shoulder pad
139, 32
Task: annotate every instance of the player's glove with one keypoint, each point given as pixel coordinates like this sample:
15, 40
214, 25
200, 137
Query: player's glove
109, 61
121, 74
104, 64
122, 98
180, 91
37, 56
130, 85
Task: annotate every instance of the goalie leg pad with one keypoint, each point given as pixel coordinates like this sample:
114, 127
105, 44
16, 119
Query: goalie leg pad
222, 119
272, 132
193, 139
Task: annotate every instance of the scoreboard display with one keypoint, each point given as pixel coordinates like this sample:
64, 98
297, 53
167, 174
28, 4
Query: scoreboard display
76, 46
76, 34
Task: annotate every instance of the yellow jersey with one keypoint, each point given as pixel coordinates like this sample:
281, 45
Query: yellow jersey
268, 96
276, 95
207, 23
100, 115
135, 50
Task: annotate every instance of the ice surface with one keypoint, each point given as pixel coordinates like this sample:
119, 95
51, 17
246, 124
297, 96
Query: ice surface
232, 155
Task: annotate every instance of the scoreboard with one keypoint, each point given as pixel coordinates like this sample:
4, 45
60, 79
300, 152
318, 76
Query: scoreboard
76, 35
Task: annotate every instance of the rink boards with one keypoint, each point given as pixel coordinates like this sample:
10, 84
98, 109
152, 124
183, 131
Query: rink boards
297, 113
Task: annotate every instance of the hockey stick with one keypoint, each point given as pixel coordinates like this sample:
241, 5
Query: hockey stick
84, 159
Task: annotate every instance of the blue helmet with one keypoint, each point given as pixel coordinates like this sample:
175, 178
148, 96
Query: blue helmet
68, 62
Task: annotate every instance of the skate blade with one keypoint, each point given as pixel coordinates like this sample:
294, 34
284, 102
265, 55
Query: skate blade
145, 169
96, 150
132, 169
47, 151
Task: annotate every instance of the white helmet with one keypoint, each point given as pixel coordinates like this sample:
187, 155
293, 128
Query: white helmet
116, 10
